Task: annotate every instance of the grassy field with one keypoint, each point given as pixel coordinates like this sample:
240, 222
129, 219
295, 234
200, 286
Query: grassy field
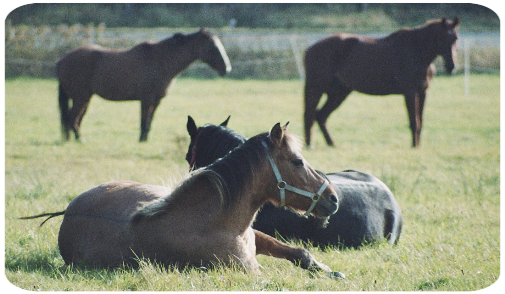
449, 188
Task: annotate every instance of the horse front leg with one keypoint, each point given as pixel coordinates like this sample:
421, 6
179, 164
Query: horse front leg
147, 109
270, 246
412, 101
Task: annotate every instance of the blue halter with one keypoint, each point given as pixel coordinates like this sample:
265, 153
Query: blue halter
283, 186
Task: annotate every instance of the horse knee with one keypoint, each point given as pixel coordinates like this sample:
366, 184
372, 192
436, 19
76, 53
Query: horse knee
308, 262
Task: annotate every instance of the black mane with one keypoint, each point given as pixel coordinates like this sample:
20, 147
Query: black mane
230, 175
213, 142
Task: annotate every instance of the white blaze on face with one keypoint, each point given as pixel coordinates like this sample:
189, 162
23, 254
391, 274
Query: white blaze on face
222, 51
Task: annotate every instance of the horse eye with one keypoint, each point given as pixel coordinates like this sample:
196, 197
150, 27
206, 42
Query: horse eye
297, 162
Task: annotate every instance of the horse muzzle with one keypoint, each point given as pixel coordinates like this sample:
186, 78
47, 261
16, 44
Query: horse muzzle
449, 67
226, 70
326, 206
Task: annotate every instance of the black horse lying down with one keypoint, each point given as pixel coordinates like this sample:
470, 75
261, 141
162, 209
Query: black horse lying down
368, 211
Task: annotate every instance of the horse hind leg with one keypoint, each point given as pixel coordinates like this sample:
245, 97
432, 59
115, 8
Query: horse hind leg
146, 116
392, 226
63, 99
312, 96
336, 96
77, 112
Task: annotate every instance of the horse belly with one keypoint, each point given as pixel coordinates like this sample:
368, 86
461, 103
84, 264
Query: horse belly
372, 72
115, 87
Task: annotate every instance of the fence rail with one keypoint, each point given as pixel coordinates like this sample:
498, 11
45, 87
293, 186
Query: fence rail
253, 55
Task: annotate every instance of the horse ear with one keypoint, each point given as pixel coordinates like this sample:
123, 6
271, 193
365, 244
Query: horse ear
455, 22
277, 134
225, 123
191, 126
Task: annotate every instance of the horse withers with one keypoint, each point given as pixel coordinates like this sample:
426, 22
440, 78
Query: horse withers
206, 220
368, 211
400, 63
143, 73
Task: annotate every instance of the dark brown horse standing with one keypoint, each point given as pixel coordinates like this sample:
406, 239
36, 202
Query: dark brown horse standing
396, 64
143, 73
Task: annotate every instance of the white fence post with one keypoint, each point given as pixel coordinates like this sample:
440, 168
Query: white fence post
466, 52
298, 57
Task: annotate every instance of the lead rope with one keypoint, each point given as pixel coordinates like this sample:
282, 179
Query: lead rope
283, 186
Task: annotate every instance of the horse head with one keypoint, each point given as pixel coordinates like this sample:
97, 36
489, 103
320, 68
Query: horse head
209, 143
299, 186
446, 41
213, 53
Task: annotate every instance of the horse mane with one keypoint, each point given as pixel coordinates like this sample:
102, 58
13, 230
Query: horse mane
407, 32
180, 38
215, 142
230, 175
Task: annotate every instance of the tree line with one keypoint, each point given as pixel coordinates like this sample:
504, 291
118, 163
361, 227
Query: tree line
31, 10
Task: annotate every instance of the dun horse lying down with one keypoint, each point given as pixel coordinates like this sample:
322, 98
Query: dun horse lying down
368, 211
204, 221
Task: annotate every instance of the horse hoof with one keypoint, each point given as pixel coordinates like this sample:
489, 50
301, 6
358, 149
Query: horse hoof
336, 275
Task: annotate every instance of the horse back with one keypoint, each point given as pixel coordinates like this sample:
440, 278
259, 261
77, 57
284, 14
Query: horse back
377, 66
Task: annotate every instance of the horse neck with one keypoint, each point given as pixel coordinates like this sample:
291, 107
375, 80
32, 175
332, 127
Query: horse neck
176, 57
426, 44
206, 197
249, 182
420, 39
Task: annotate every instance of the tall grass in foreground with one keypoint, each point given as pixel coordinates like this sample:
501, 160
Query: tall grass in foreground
448, 188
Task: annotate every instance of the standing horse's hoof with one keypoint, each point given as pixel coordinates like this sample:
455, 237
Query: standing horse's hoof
336, 275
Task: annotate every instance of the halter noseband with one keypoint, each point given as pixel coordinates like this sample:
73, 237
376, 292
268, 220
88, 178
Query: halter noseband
283, 186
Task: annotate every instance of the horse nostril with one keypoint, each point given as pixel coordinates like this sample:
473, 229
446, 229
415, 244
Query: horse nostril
334, 198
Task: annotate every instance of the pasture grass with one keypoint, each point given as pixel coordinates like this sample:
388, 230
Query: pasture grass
448, 189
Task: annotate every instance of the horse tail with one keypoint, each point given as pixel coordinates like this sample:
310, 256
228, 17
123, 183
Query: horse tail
51, 215
393, 226
64, 111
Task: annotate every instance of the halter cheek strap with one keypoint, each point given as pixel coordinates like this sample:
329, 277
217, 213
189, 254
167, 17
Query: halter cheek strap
283, 186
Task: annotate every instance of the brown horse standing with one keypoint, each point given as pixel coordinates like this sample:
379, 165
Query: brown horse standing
207, 219
143, 73
396, 64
